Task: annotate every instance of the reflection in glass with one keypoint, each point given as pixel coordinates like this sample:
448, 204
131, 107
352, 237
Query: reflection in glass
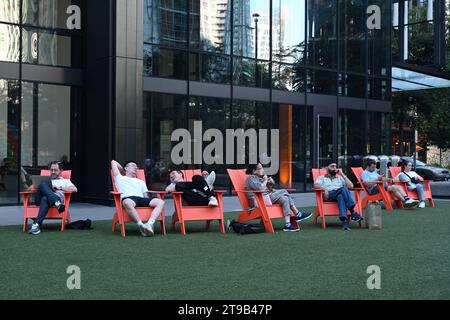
352, 85
319, 81
159, 123
46, 13
288, 77
251, 23
421, 43
288, 31
380, 42
353, 38
210, 25
419, 10
351, 139
47, 48
9, 140
165, 22
251, 73
159, 62
9, 43
322, 33
10, 11
209, 68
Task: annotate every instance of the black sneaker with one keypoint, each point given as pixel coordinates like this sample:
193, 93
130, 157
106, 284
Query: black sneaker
356, 217
290, 228
60, 207
302, 216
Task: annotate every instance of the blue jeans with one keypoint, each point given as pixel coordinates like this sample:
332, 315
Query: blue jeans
344, 199
420, 191
45, 198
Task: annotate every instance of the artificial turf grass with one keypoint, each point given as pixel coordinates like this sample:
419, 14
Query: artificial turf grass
412, 251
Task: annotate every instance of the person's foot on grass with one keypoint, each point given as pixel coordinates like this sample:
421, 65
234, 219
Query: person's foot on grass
35, 229
409, 203
421, 204
60, 207
345, 225
288, 227
148, 229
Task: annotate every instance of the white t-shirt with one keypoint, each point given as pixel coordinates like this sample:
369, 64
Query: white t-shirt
130, 187
61, 183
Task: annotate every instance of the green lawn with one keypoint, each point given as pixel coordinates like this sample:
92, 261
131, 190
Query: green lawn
412, 250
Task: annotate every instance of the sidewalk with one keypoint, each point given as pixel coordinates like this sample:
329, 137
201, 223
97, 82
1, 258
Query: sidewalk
10, 216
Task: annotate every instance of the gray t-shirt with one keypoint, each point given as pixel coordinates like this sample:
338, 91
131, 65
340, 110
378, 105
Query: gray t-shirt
330, 184
254, 183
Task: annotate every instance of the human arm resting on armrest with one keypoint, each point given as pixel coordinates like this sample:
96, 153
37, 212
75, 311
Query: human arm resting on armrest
170, 188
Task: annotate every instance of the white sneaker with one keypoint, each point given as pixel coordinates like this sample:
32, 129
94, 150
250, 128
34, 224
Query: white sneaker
148, 229
213, 202
142, 229
410, 203
210, 179
35, 229
422, 204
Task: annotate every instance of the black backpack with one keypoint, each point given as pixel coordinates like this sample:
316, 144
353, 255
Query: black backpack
246, 228
80, 225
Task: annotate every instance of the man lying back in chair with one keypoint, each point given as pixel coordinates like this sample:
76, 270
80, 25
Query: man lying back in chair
135, 194
50, 192
336, 185
196, 193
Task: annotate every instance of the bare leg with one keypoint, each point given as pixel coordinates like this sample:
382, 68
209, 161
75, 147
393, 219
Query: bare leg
398, 192
157, 205
130, 206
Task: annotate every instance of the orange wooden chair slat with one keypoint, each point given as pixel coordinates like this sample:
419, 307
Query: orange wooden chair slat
184, 213
395, 171
121, 217
382, 195
331, 208
32, 211
263, 211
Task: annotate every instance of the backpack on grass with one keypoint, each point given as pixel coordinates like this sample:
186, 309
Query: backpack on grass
246, 228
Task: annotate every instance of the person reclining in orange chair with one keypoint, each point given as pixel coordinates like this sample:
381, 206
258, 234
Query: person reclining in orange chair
135, 194
50, 192
336, 185
256, 180
199, 192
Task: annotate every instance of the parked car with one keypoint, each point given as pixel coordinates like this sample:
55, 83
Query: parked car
428, 172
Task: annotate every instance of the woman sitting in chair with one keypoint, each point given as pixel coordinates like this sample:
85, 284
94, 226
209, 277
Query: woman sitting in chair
414, 181
256, 180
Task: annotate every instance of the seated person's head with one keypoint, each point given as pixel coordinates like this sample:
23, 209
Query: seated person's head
131, 168
332, 169
55, 168
255, 169
371, 165
407, 166
176, 176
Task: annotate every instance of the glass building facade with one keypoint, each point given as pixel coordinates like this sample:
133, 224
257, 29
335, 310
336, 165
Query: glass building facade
138, 70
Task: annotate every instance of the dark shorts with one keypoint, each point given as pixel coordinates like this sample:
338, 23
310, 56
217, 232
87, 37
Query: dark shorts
140, 201
374, 189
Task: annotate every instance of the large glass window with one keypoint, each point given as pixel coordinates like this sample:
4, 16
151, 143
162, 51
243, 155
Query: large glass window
322, 33
9, 43
447, 33
288, 31
353, 35
380, 41
163, 113
47, 13
46, 125
9, 140
10, 11
162, 62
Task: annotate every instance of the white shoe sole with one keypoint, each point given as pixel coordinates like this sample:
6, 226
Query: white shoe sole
148, 231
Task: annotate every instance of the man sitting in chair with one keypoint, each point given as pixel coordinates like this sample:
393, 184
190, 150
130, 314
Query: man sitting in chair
256, 180
336, 185
135, 194
199, 192
370, 178
50, 192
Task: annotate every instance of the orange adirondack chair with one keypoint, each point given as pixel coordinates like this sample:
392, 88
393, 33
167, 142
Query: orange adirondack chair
121, 217
185, 213
31, 211
263, 212
331, 208
383, 195
395, 171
